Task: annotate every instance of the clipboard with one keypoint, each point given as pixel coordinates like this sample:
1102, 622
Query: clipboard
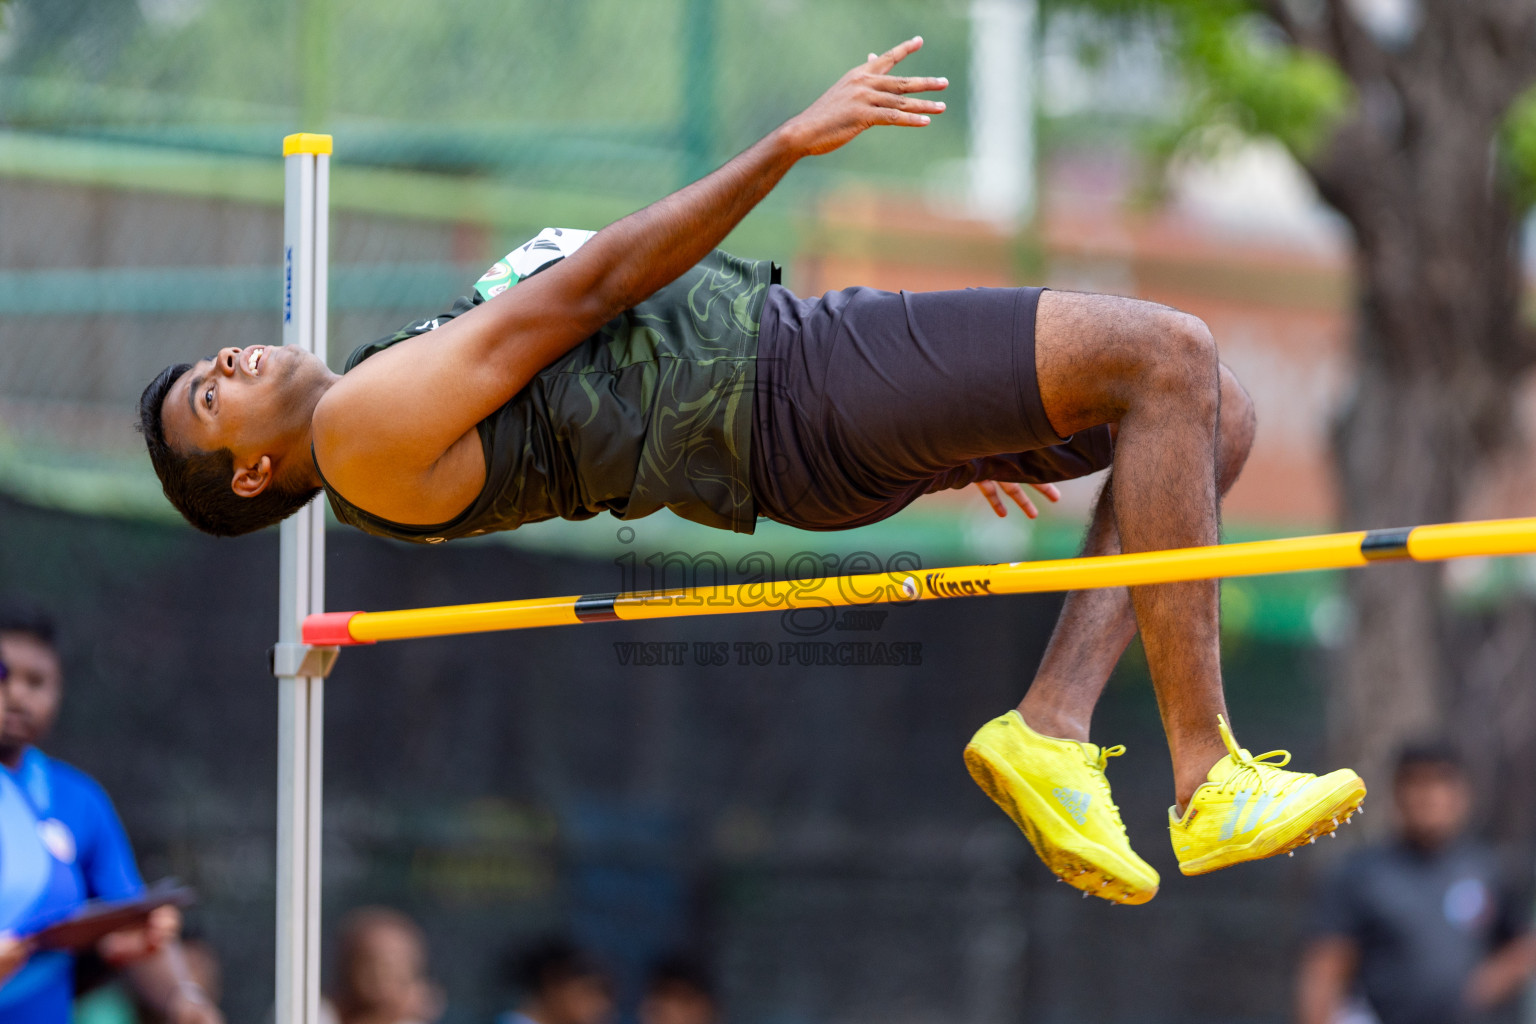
97, 918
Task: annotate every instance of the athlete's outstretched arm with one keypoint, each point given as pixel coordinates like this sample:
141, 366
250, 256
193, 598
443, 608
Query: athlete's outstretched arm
406, 409
633, 258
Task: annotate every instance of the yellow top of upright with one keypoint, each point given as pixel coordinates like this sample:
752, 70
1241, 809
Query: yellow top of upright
306, 142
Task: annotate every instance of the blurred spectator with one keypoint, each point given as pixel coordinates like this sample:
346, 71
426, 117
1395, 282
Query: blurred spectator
37, 888
1425, 926
679, 992
560, 984
81, 831
381, 971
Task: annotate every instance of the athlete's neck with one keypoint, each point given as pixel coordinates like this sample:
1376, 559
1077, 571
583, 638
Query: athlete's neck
295, 466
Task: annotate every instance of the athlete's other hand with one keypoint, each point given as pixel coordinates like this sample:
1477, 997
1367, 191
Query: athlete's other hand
864, 97
990, 489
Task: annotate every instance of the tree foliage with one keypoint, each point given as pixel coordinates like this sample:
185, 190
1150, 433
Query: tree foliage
1243, 78
1257, 66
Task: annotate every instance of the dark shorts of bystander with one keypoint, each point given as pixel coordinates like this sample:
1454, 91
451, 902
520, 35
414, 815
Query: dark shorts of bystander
866, 400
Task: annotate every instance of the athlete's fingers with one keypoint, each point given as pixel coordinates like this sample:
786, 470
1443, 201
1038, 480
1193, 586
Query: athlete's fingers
1051, 492
1021, 499
896, 54
989, 489
890, 115
907, 103
904, 84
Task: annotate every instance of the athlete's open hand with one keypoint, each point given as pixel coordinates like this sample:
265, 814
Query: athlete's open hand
864, 97
991, 489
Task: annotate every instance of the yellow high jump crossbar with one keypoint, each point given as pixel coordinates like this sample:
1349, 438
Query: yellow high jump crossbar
1254, 558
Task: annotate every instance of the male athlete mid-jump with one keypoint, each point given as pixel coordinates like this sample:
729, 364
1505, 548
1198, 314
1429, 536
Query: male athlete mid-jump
639, 367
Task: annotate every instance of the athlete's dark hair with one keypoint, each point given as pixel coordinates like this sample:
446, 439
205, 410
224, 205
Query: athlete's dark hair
27, 619
198, 483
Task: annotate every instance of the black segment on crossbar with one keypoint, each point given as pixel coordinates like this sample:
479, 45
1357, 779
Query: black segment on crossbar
1385, 545
596, 608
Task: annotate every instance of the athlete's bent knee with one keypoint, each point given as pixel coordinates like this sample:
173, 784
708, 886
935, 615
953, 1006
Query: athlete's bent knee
1184, 357
1188, 338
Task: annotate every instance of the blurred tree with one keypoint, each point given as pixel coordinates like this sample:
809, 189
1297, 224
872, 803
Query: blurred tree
1408, 117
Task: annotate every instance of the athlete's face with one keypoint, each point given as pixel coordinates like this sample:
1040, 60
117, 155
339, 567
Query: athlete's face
32, 688
250, 400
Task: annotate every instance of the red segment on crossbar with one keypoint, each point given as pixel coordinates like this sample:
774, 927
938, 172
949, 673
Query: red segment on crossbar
331, 629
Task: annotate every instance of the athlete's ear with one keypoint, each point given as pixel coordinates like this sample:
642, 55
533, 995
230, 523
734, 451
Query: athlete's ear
251, 480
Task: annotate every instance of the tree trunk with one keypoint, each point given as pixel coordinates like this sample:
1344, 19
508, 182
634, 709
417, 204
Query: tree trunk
1494, 724
1399, 465
1439, 353
1411, 447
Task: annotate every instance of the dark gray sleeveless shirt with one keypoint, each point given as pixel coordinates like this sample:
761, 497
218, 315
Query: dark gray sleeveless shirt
653, 411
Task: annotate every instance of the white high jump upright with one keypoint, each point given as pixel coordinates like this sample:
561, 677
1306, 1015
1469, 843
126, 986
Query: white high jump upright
301, 670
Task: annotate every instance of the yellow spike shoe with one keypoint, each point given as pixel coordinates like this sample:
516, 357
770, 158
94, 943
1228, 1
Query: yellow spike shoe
1056, 792
1251, 809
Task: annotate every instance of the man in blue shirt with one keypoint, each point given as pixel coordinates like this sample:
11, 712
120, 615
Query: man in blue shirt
78, 825
37, 887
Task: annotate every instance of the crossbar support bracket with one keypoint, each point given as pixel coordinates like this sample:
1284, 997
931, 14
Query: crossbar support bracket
287, 659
